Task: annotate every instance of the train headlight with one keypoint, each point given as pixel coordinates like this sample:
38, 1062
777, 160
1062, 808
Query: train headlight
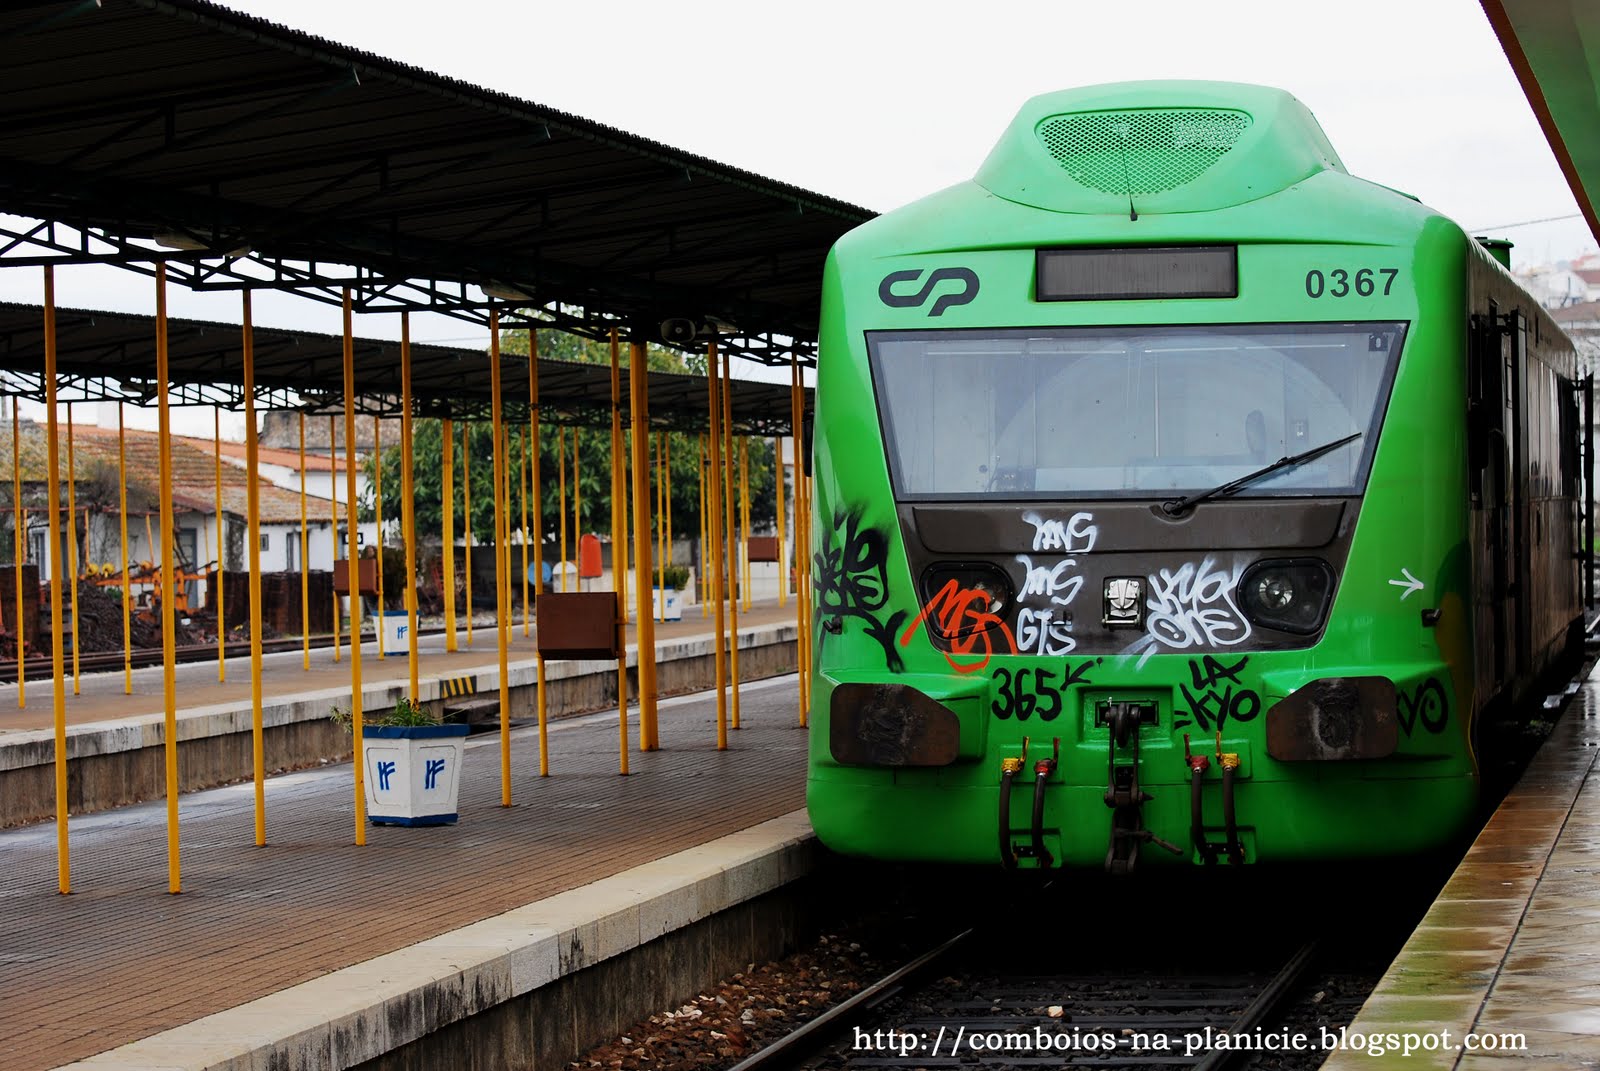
1291, 595
985, 578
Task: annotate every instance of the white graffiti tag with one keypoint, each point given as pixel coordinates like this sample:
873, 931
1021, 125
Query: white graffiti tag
1055, 582
1193, 606
1076, 535
1039, 633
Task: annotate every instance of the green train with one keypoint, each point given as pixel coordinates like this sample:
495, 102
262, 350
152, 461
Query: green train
1179, 497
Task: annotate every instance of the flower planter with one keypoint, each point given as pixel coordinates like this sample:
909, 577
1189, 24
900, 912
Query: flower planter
413, 773
674, 605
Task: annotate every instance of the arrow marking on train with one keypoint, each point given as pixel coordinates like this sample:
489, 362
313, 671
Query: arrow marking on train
1410, 583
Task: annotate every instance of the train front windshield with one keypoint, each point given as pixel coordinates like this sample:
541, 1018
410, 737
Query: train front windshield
1125, 412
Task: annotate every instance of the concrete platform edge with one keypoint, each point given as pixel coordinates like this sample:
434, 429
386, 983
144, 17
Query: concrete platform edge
366, 1010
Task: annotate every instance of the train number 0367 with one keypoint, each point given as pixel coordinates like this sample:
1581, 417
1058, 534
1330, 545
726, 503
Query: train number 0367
1338, 282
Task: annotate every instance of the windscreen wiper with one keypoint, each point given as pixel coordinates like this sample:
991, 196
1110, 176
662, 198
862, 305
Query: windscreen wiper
1177, 507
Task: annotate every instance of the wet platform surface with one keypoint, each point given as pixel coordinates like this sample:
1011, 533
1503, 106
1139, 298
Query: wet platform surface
1510, 951
121, 958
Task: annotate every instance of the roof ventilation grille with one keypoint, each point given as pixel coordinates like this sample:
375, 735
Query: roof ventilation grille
1141, 152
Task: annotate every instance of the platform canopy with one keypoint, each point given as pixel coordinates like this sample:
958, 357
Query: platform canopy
246, 154
1554, 47
110, 356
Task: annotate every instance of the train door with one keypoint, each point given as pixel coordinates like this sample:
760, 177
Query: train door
1515, 348
1491, 434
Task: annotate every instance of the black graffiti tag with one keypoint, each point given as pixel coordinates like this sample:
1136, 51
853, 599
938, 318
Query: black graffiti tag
1215, 694
852, 580
1017, 700
1427, 704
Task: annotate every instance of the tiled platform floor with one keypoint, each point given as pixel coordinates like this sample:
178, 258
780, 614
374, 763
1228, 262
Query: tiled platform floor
120, 958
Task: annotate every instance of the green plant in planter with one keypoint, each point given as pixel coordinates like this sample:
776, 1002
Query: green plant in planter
676, 577
407, 712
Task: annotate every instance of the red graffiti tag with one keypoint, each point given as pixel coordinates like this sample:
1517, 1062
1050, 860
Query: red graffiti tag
961, 617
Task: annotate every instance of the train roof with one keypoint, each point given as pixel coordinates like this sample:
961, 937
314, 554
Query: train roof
1156, 147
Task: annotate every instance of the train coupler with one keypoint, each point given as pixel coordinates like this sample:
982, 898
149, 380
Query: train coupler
1123, 794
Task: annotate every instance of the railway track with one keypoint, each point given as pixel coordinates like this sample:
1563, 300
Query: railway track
40, 667
966, 1015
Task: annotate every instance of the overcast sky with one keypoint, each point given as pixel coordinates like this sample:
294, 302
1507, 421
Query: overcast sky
879, 103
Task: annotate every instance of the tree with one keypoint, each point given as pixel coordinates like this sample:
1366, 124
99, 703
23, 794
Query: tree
593, 464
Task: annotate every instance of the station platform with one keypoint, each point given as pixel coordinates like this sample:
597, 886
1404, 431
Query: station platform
102, 697
1510, 950
313, 952
116, 742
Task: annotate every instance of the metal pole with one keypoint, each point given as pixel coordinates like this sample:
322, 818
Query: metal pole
333, 505
72, 545
705, 534
169, 670
800, 543
57, 577
536, 533
661, 527
127, 588
305, 557
577, 493
538, 530
222, 620
522, 493
377, 514
666, 508
733, 533
21, 555
619, 546
252, 499
783, 542
447, 502
639, 406
744, 513
714, 528
466, 514
502, 559
354, 572
408, 510
561, 504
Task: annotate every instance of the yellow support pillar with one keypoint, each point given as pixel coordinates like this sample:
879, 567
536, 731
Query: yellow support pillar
619, 545
333, 505
538, 530
305, 557
127, 588
169, 668
19, 529
713, 525
783, 543
661, 527
252, 509
522, 494
639, 406
57, 572
666, 507
222, 626
561, 503
355, 552
466, 515
377, 513
447, 502
502, 557
72, 544
408, 511
733, 533
801, 538
744, 513
577, 494
705, 533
